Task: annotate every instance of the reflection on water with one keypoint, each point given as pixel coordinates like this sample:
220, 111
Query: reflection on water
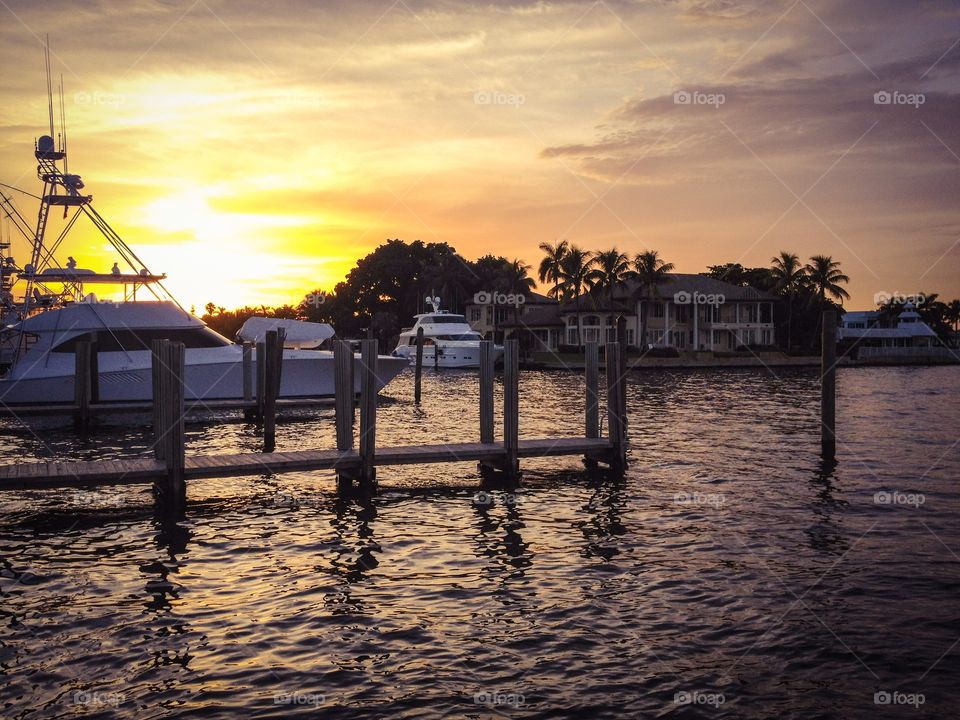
730, 573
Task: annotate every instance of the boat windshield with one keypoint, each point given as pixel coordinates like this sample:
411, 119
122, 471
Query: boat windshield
445, 319
462, 336
140, 339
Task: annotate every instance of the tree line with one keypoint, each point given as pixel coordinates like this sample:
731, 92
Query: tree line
387, 287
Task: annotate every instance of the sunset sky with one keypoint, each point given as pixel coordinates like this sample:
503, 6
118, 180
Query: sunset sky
253, 151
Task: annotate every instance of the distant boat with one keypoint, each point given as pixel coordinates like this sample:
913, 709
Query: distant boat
55, 312
448, 340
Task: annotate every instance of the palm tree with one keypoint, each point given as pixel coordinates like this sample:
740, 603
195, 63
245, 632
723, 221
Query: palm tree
518, 281
825, 277
610, 269
574, 270
650, 271
789, 276
953, 317
550, 270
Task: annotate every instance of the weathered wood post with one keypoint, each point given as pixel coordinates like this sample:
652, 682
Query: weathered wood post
592, 406
272, 375
622, 342
94, 372
486, 390
156, 377
418, 371
81, 385
615, 409
343, 404
368, 416
828, 386
171, 489
261, 370
511, 405
247, 380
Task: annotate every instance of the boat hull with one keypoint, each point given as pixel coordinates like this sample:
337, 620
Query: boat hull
451, 356
209, 374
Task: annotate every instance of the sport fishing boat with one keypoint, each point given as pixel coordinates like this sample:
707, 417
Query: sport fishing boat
56, 311
448, 340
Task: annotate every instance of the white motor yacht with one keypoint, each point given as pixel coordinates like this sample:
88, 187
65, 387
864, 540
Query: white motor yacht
55, 311
448, 340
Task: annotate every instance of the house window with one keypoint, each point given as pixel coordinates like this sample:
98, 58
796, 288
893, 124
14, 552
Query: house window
572, 336
681, 314
475, 314
713, 313
679, 339
766, 313
656, 310
630, 336
591, 320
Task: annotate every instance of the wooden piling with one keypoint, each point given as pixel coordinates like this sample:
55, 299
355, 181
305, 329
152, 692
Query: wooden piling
343, 404
486, 390
261, 352
247, 376
511, 405
616, 410
169, 368
368, 416
81, 385
592, 419
94, 372
418, 371
156, 368
273, 354
828, 386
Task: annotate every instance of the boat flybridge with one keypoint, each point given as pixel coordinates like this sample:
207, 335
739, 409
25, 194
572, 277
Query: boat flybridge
56, 311
448, 340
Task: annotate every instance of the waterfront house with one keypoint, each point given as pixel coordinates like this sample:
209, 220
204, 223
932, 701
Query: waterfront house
688, 312
870, 334
490, 313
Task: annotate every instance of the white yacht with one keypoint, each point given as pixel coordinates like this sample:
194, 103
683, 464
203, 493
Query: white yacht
55, 311
448, 340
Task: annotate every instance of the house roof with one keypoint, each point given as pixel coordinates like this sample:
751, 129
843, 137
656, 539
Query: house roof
694, 282
539, 316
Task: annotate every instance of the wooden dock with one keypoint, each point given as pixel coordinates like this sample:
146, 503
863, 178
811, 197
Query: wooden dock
43, 475
171, 465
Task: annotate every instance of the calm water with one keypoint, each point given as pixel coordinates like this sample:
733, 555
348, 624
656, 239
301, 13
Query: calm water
728, 569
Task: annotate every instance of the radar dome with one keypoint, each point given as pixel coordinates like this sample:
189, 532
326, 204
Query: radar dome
45, 144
